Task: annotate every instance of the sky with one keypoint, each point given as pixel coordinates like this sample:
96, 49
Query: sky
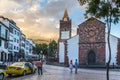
39, 19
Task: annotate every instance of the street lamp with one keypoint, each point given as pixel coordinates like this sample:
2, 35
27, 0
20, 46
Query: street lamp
41, 54
48, 53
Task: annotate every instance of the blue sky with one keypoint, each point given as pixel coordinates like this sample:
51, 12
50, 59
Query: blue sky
41, 17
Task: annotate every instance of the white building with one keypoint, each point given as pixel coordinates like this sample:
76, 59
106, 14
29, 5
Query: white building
114, 49
14, 42
29, 48
4, 38
73, 48
26, 47
22, 42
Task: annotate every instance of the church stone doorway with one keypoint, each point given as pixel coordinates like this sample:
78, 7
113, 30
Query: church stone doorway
91, 58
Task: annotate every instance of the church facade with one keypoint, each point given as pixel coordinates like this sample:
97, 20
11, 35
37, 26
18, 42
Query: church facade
91, 42
89, 45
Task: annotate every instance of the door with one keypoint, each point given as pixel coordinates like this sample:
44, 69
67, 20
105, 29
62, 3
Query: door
27, 68
91, 58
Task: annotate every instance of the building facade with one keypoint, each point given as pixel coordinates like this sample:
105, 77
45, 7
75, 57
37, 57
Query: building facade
4, 38
92, 42
13, 43
29, 49
90, 45
22, 42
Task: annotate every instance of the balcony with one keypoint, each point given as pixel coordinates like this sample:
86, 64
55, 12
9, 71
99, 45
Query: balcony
2, 36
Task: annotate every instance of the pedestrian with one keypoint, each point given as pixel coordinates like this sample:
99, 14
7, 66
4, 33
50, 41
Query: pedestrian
71, 66
76, 66
39, 66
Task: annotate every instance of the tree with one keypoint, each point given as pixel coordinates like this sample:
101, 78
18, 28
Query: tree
53, 48
36, 49
109, 10
43, 48
40, 49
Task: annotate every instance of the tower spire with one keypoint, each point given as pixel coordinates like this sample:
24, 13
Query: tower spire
66, 15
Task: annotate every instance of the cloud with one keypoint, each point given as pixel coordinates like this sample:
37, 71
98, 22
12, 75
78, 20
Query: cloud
37, 20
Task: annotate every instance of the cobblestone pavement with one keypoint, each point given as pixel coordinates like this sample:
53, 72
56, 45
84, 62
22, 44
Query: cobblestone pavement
63, 73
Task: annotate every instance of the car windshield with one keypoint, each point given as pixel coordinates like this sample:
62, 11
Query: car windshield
17, 64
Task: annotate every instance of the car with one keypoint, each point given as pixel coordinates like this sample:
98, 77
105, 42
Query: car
2, 74
20, 68
3, 65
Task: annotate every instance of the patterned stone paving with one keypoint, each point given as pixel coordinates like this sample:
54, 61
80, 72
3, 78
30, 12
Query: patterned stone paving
63, 73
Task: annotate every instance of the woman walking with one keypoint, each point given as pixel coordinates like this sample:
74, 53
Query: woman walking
71, 66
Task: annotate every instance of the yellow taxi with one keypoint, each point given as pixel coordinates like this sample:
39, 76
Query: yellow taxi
20, 68
2, 74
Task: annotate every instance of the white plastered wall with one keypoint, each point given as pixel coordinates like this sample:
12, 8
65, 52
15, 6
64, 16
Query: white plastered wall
113, 44
61, 52
73, 48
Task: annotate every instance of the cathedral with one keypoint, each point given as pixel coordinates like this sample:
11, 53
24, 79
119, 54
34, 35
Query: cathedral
89, 46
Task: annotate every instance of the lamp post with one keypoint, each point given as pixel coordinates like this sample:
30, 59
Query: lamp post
48, 53
41, 54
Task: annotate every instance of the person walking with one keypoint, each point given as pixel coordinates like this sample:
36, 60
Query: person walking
39, 66
71, 66
76, 66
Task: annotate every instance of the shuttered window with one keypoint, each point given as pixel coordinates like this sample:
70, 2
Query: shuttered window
0, 30
0, 43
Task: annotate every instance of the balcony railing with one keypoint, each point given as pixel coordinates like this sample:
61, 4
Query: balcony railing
4, 37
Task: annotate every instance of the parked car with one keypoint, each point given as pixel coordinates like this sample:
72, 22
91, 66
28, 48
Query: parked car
3, 65
2, 74
20, 68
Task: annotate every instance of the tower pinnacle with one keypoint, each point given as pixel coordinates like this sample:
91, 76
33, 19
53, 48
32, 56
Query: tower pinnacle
65, 15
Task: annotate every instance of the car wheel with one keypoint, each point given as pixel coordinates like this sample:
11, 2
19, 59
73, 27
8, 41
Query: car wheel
1, 76
24, 73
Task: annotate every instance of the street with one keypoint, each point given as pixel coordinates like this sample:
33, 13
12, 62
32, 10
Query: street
62, 73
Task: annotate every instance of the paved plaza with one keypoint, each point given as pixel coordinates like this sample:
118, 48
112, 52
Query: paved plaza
62, 73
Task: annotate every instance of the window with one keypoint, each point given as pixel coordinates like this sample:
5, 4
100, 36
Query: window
18, 33
17, 48
10, 46
14, 47
11, 29
14, 39
23, 38
23, 45
0, 30
17, 41
6, 44
6, 34
0, 42
26, 48
15, 31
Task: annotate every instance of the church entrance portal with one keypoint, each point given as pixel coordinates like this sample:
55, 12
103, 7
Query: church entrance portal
91, 57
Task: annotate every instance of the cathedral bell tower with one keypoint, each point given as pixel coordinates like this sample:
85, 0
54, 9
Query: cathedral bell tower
64, 35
